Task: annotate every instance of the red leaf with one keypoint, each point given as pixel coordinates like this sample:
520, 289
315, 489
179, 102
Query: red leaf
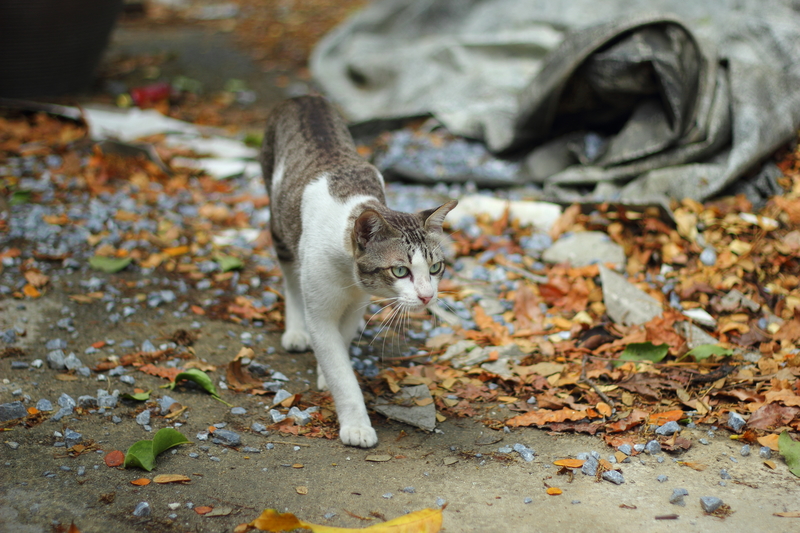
114, 458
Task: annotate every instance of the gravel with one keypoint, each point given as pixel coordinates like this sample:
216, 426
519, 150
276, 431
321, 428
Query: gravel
710, 503
226, 437
12, 411
142, 509
735, 421
677, 497
614, 476
668, 429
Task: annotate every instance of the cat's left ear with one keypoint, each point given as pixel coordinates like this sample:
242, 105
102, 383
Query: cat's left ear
434, 218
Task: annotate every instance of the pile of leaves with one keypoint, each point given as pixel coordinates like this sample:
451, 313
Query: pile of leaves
573, 370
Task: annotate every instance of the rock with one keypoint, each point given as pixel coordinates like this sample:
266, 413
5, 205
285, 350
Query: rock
524, 452
458, 349
627, 449
258, 427
142, 509
626, 304
590, 465
238, 411
12, 411
677, 497
143, 418
585, 248
71, 362
736, 422
614, 476
708, 256
61, 413
668, 428
226, 437
710, 503
662, 478
44, 405
65, 400
107, 401
695, 335
19, 365
71, 438
745, 451
130, 380
165, 402
653, 447
723, 474
405, 407
701, 316
277, 416
87, 402
301, 418
55, 360
735, 300
280, 396
764, 452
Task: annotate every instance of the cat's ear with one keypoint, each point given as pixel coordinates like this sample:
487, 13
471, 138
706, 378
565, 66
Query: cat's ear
434, 218
369, 225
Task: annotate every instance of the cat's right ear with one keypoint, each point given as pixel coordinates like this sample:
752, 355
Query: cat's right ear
369, 225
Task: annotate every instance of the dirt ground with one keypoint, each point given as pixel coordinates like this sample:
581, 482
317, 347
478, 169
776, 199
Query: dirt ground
457, 467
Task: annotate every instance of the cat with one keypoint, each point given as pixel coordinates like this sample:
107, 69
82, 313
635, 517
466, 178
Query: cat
337, 243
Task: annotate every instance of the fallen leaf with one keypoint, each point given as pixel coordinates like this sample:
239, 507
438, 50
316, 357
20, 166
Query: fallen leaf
424, 521
219, 511
643, 351
378, 458
569, 463
203, 509
694, 466
171, 478
554, 491
790, 451
109, 265
73, 528
636, 417
788, 514
114, 458
771, 465
301, 490
770, 441
30, 291
660, 419
66, 377
141, 482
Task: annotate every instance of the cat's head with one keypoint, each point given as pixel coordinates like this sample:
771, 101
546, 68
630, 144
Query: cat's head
400, 255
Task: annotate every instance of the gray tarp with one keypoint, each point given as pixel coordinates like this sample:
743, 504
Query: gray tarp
629, 100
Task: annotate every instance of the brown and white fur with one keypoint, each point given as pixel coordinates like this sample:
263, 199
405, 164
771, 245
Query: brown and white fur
337, 243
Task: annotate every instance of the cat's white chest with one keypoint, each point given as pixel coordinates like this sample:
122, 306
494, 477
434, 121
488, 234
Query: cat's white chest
325, 232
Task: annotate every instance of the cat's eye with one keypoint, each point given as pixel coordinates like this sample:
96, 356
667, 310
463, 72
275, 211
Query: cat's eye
436, 268
400, 271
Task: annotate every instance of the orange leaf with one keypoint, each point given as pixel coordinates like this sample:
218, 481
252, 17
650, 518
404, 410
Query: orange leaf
604, 409
73, 528
33, 411
667, 416
554, 491
770, 441
141, 482
114, 458
30, 291
569, 463
160, 371
177, 250
99, 344
203, 509
196, 309
694, 466
636, 417
545, 416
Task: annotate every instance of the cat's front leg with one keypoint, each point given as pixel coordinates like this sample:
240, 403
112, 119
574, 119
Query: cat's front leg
295, 337
355, 428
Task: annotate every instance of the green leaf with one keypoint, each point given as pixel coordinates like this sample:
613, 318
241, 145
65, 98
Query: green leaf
109, 264
704, 351
790, 450
199, 377
20, 197
144, 452
141, 455
139, 396
228, 262
643, 351
166, 438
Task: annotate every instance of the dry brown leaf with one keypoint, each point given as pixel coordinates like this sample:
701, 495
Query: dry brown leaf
141, 482
163, 479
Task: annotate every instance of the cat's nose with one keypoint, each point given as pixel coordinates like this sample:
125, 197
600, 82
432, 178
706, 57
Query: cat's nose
425, 299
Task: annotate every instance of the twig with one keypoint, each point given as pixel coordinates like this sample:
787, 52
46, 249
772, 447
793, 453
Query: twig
287, 443
503, 262
592, 384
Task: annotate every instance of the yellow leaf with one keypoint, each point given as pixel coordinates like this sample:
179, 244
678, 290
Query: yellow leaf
424, 521
554, 491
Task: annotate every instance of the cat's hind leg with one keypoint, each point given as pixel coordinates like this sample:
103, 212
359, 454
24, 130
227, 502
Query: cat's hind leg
295, 338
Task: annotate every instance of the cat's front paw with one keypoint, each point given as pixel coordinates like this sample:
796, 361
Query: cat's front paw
295, 340
361, 436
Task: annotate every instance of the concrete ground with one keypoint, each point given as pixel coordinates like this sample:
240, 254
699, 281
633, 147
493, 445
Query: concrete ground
320, 480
